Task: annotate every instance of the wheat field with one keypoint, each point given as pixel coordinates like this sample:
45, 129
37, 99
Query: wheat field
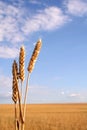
47, 117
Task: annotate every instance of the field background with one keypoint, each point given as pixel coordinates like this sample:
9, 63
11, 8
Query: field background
47, 117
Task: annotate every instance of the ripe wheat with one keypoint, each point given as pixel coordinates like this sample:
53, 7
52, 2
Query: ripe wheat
17, 91
34, 56
14, 85
21, 63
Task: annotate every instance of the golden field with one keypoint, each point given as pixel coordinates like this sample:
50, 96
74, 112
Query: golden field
47, 117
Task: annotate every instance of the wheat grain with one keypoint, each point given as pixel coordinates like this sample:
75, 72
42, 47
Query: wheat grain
21, 63
14, 85
34, 56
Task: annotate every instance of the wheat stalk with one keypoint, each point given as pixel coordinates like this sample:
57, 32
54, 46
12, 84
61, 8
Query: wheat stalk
17, 95
30, 69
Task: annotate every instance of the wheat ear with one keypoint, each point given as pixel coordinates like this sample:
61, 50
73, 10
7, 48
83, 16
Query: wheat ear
34, 56
21, 63
14, 85
30, 69
14, 90
21, 69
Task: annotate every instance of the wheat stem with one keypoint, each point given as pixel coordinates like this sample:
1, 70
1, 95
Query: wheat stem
15, 116
25, 97
19, 99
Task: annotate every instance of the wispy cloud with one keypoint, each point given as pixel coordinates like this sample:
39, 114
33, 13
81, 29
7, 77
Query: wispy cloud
62, 92
58, 78
16, 24
10, 21
34, 2
76, 7
7, 52
5, 95
74, 95
5, 82
5, 88
48, 19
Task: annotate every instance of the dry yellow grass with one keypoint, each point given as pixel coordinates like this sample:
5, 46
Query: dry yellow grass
47, 117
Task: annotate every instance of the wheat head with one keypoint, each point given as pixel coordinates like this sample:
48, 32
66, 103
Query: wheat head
14, 85
21, 63
34, 56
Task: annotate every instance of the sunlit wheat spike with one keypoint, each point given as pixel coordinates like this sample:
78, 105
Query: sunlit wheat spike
14, 84
21, 63
34, 56
16, 69
14, 97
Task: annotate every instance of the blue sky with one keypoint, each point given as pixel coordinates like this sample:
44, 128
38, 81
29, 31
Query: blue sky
60, 73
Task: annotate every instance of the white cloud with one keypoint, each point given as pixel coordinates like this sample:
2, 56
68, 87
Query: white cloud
48, 19
34, 2
5, 88
16, 23
62, 93
5, 95
58, 78
10, 21
74, 95
5, 82
6, 52
76, 7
